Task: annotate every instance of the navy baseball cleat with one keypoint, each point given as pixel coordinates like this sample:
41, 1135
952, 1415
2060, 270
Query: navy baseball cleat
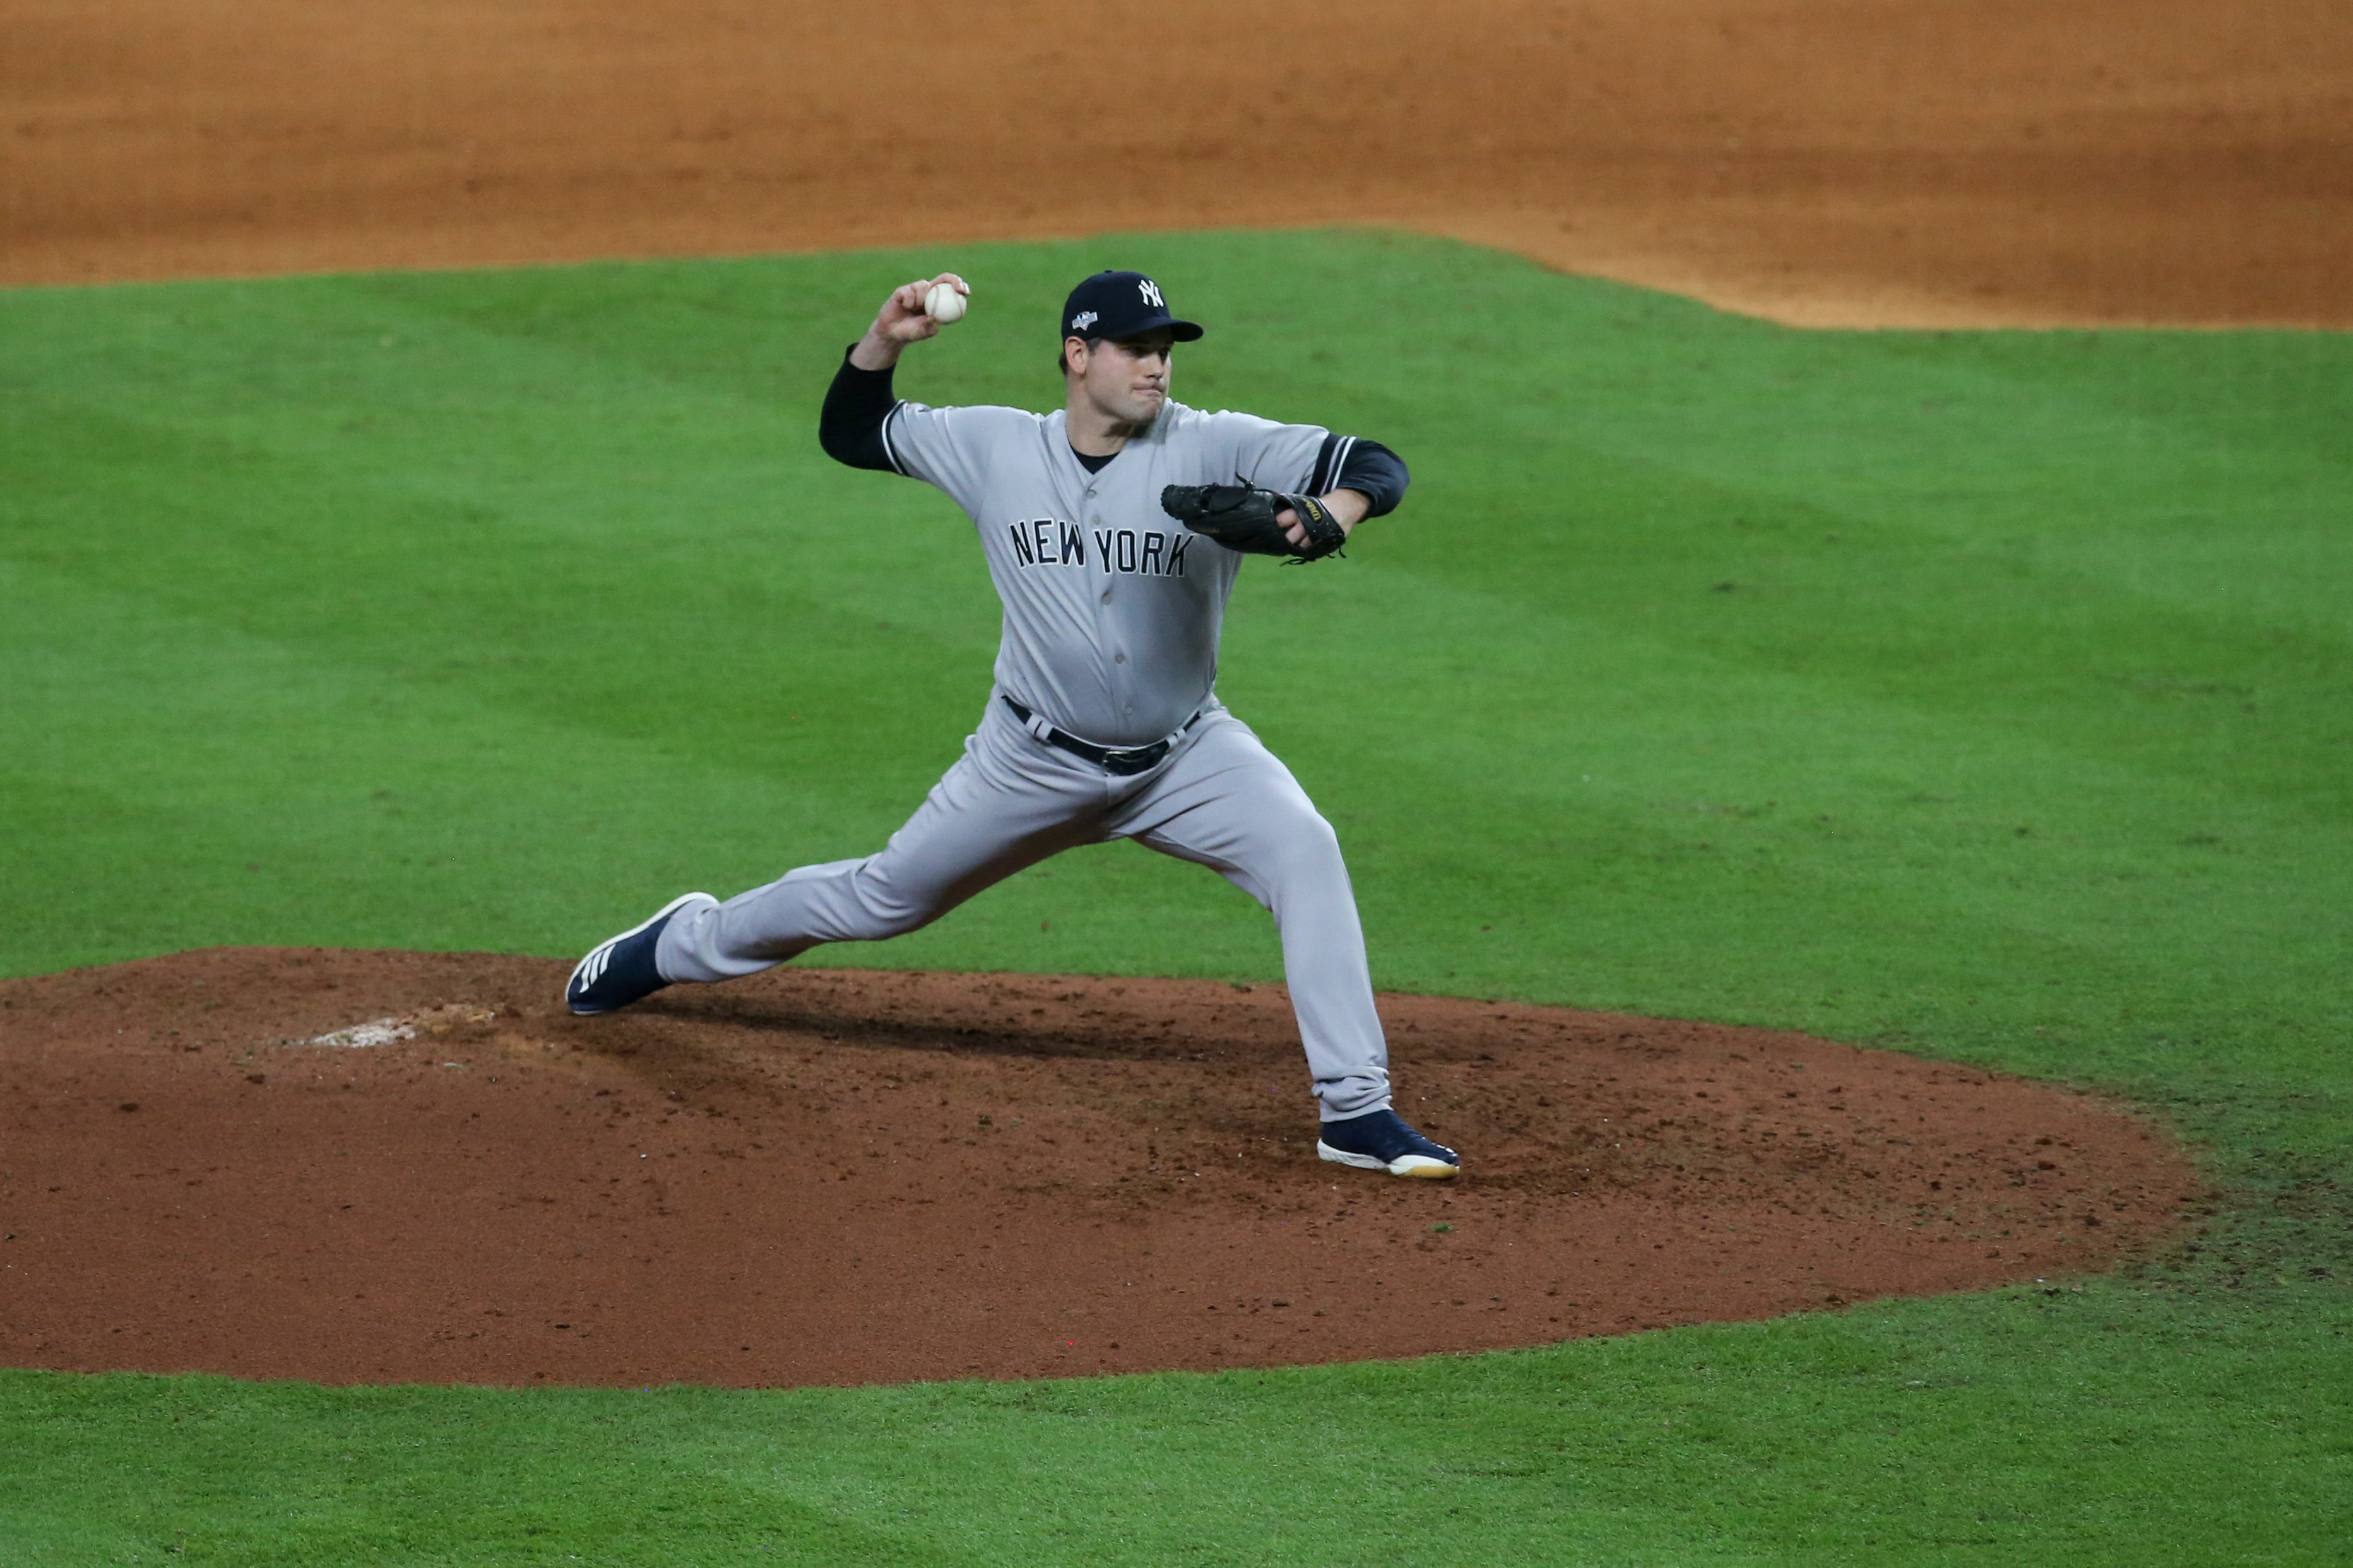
1380, 1141
620, 970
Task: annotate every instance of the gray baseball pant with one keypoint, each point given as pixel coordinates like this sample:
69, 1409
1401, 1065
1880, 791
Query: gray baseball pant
1219, 798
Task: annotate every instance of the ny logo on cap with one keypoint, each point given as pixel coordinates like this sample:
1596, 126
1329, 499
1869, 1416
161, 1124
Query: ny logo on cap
1151, 293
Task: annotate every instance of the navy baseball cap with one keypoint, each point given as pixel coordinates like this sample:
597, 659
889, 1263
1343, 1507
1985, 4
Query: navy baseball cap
1121, 305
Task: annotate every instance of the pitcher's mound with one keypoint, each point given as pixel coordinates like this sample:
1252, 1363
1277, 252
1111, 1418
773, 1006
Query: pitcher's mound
388, 1167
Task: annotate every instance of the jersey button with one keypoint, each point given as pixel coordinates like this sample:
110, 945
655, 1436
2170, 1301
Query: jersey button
1119, 658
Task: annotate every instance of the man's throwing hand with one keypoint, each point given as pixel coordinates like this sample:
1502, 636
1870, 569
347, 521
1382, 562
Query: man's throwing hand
903, 321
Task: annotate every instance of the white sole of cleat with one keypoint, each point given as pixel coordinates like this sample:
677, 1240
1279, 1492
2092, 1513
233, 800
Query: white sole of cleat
1420, 1165
589, 969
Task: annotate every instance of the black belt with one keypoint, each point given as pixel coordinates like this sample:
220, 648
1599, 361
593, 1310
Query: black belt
1122, 761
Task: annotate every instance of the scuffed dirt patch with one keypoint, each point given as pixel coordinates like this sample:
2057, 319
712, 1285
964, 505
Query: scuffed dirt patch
842, 1176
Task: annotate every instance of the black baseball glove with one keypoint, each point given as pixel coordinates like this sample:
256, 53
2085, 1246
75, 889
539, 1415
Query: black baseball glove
1240, 516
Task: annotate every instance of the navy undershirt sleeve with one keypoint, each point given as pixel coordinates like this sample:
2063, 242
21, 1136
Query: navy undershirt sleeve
1352, 463
849, 427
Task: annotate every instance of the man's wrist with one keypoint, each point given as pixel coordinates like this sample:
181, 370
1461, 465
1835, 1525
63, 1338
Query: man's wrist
875, 352
1348, 506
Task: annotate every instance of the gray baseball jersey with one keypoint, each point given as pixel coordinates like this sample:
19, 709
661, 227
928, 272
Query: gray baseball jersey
1112, 608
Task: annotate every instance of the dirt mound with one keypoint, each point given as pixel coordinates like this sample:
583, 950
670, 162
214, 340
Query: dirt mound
404, 1167
1927, 162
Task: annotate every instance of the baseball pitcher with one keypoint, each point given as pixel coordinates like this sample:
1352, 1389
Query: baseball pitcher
1114, 528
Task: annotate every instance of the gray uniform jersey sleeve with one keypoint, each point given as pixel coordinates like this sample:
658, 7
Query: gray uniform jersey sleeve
953, 447
1278, 456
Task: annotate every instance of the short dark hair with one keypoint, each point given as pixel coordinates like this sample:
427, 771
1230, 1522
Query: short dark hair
1062, 354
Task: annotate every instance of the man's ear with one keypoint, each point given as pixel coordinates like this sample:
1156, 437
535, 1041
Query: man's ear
1074, 345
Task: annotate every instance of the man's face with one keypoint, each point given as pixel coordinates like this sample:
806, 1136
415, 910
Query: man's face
1126, 378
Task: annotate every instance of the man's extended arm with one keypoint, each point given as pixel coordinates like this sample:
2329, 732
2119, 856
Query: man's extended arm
1357, 479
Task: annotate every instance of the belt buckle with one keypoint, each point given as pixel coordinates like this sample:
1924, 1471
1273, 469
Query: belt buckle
1132, 760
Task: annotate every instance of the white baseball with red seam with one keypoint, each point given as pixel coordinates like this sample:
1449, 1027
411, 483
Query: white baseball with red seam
944, 303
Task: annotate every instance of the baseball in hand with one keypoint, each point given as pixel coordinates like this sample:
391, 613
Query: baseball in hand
944, 303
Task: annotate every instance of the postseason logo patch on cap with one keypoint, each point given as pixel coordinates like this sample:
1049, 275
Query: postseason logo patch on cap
1083, 320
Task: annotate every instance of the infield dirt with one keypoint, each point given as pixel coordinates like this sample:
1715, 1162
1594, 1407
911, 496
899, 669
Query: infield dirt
842, 1176
1823, 162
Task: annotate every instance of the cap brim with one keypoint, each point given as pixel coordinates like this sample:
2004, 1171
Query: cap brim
1182, 331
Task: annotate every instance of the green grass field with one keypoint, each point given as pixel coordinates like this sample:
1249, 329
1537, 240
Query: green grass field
1989, 697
